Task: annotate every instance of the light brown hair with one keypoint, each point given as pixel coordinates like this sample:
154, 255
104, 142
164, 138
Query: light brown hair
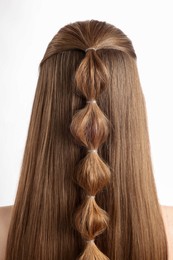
54, 216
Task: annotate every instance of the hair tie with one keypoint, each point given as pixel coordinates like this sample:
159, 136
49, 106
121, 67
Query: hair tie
90, 241
91, 196
92, 48
91, 101
92, 151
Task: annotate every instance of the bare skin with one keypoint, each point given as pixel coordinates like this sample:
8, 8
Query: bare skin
5, 217
167, 213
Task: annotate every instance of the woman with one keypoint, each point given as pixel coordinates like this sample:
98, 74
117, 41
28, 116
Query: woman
86, 189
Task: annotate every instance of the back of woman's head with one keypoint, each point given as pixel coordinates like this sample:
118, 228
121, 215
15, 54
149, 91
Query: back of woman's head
86, 189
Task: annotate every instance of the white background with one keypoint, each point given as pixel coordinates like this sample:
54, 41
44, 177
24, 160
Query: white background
27, 26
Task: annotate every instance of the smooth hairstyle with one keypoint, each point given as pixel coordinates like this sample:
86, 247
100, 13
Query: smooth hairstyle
55, 214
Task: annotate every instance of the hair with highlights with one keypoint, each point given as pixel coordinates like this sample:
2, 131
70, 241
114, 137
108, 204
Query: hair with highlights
72, 202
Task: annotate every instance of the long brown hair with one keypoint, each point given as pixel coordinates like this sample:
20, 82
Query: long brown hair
86, 189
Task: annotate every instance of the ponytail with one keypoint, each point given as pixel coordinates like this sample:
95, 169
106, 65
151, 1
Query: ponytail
90, 128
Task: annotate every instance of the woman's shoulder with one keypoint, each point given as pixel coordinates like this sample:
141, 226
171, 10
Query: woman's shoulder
167, 213
5, 217
5, 210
